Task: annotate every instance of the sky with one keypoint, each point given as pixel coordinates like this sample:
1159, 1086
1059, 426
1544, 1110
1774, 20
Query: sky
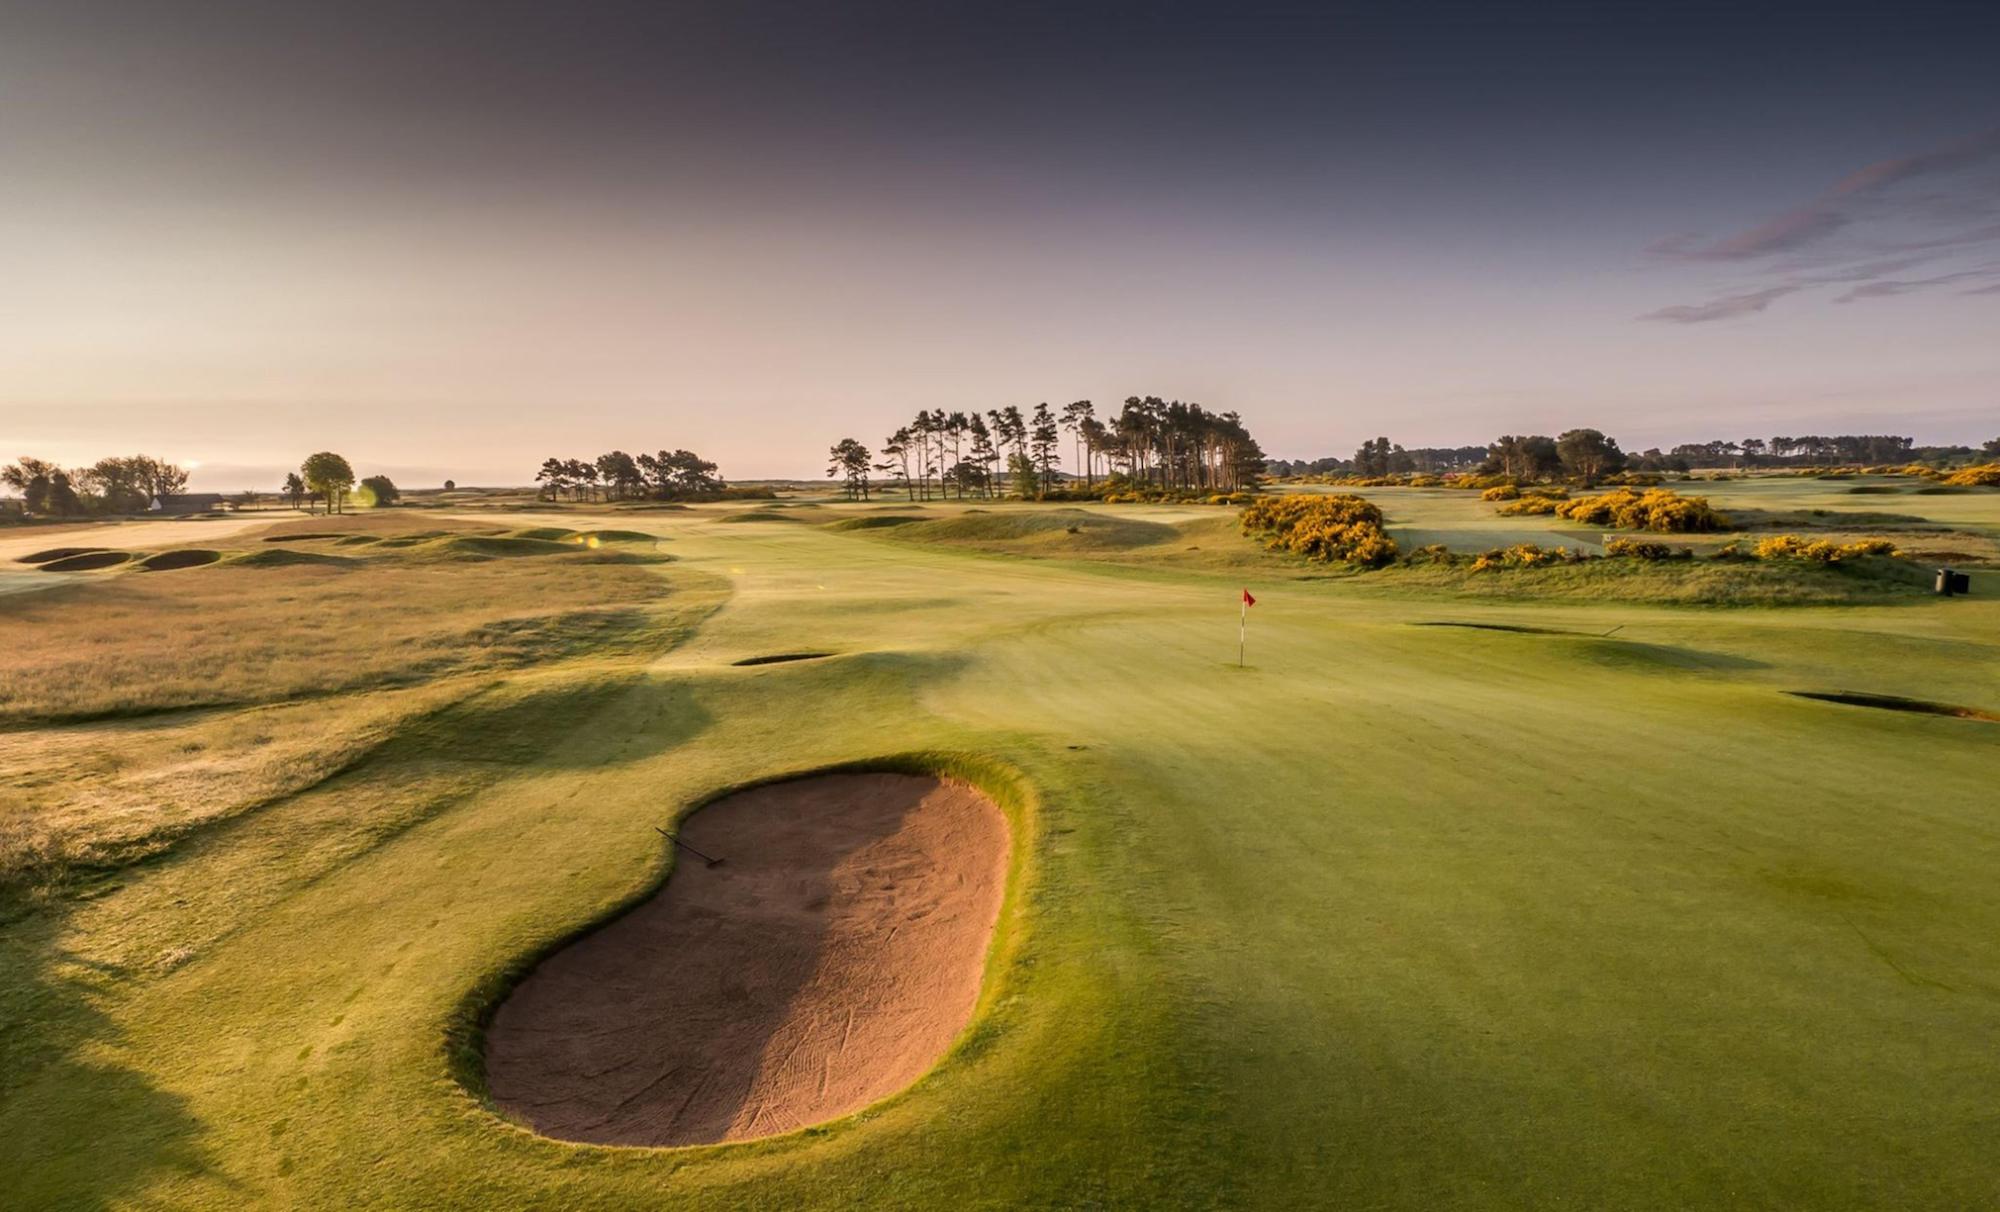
453, 239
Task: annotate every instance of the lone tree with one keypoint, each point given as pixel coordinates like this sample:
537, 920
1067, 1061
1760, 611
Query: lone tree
329, 476
1589, 455
379, 490
849, 459
295, 489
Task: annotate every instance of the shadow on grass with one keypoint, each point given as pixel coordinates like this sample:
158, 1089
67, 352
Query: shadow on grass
78, 1128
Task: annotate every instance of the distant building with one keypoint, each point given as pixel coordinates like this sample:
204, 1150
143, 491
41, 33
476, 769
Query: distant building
187, 502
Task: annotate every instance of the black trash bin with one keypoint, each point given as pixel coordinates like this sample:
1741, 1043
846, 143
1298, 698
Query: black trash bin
1950, 582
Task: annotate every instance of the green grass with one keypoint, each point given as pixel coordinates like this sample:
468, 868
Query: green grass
1590, 915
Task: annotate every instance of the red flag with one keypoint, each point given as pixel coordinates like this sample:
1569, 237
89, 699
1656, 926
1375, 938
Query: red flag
1247, 599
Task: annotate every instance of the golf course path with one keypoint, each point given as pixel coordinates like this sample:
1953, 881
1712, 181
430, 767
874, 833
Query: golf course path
826, 959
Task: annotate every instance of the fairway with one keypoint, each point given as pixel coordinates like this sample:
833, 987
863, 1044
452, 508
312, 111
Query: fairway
1579, 907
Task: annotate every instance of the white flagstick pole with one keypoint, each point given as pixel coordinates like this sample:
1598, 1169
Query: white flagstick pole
1242, 631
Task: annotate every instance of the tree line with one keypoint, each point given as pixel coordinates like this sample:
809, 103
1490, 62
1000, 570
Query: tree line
129, 484
1537, 456
667, 476
1168, 445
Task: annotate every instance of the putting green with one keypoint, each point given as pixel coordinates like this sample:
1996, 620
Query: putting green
1394, 917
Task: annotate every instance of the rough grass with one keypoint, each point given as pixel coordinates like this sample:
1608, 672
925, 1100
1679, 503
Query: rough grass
280, 623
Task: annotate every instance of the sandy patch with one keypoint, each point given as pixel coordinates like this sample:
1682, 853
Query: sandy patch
828, 962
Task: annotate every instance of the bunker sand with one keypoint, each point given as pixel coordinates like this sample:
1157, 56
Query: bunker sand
828, 961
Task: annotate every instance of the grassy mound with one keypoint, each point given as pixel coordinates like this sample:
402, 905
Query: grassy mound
307, 536
486, 547
279, 557
760, 515
185, 557
1040, 530
878, 522
89, 561
58, 553
589, 537
542, 532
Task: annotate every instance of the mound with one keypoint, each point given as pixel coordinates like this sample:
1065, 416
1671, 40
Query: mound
873, 523
482, 546
542, 532
590, 538
782, 658
87, 561
59, 553
759, 515
1053, 529
358, 540
307, 536
279, 557
827, 962
186, 557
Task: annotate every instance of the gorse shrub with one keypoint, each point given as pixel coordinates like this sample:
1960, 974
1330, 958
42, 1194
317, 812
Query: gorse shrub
1821, 551
1656, 509
1639, 549
1501, 492
1987, 476
1526, 555
1335, 527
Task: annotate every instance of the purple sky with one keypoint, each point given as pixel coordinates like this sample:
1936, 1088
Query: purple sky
452, 239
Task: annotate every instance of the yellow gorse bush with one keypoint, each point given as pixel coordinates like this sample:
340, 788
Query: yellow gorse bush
1335, 527
1656, 509
1987, 476
1823, 551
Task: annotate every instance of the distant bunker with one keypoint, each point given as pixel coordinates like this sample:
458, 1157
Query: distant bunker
827, 961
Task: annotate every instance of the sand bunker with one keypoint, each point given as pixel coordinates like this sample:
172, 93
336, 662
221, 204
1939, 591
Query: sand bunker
827, 962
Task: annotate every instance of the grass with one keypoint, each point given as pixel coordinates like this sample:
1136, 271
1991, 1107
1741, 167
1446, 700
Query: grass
281, 622
1396, 916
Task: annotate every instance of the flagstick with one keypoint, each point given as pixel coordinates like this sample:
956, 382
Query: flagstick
1242, 631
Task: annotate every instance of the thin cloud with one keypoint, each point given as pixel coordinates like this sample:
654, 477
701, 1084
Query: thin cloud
1724, 308
1884, 173
1891, 287
1814, 221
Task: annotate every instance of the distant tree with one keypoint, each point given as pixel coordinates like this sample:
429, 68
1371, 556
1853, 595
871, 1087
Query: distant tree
379, 490
294, 490
1044, 441
553, 477
983, 453
451, 485
582, 477
157, 478
245, 499
849, 460
1992, 449
621, 474
1076, 417
1525, 456
1588, 455
330, 476
968, 475
62, 499
1022, 469
896, 458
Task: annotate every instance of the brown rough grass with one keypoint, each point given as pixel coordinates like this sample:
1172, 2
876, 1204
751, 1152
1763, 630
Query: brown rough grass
130, 644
